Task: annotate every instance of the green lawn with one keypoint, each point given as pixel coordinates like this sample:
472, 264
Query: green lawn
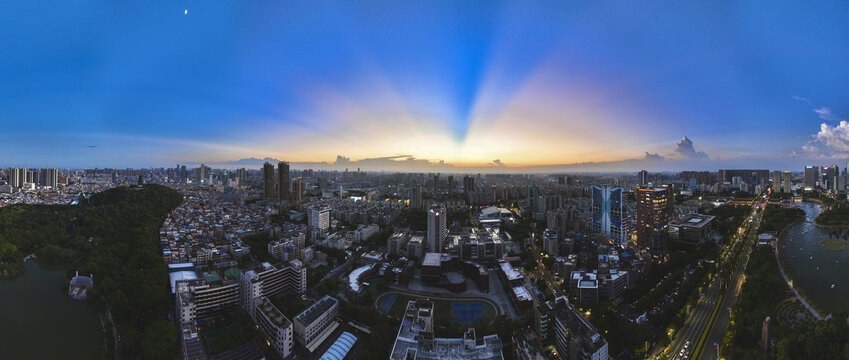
834, 244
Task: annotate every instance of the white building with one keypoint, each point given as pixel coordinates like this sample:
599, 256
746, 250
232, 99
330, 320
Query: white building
270, 281
437, 229
276, 328
319, 219
317, 323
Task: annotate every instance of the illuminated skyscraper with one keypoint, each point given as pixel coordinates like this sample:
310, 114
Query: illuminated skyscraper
609, 212
810, 177
654, 211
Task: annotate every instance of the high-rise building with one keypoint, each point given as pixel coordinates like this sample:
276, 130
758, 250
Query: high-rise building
788, 182
242, 177
282, 181
468, 185
654, 211
16, 177
201, 174
776, 181
450, 185
296, 196
643, 178
810, 177
269, 192
48, 177
533, 197
416, 196
435, 186
437, 229
184, 174
608, 213
319, 219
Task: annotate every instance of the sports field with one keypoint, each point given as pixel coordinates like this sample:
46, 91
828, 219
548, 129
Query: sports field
463, 310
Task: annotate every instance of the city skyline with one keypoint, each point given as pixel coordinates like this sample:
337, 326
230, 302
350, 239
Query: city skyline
442, 87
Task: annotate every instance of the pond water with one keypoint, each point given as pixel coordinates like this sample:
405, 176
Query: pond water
39, 321
815, 269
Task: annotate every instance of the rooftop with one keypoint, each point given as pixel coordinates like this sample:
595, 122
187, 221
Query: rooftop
313, 312
340, 347
509, 271
273, 313
693, 220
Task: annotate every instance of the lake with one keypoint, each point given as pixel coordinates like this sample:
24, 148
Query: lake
815, 269
39, 321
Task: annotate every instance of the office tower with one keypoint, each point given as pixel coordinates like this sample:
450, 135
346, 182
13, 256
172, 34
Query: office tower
282, 181
416, 196
561, 180
297, 192
654, 211
833, 173
437, 228
435, 186
643, 178
788, 182
810, 177
184, 174
776, 181
269, 192
608, 213
319, 219
450, 185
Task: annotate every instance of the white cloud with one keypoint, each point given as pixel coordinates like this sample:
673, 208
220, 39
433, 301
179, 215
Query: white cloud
653, 157
826, 114
829, 142
684, 149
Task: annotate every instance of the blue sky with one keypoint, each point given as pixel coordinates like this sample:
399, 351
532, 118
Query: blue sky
106, 83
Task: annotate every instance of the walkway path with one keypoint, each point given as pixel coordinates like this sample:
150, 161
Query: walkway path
790, 284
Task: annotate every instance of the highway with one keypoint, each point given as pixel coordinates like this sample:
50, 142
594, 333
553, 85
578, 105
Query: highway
723, 318
699, 318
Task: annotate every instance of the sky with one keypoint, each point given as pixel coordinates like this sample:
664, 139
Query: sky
418, 85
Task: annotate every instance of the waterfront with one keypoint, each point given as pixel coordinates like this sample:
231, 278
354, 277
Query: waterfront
39, 321
814, 269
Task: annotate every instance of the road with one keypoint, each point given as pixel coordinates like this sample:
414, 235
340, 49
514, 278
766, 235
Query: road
546, 273
699, 318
